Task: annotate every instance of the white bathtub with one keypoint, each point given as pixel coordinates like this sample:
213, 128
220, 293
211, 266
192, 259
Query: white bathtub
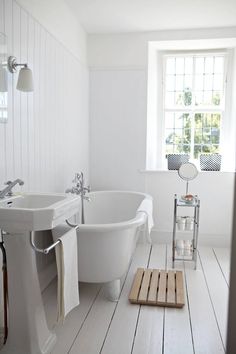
108, 238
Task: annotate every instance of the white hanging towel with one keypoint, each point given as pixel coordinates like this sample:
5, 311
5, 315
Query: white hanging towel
147, 207
67, 270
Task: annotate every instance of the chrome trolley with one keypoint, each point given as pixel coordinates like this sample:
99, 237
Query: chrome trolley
179, 248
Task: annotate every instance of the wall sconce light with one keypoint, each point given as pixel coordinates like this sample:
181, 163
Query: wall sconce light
25, 77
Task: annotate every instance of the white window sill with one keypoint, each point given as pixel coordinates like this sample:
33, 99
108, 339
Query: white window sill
176, 171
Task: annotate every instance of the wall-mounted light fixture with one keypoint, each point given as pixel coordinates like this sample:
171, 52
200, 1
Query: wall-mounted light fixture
25, 77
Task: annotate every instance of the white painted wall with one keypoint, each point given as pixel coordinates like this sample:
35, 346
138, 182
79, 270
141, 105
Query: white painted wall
117, 135
46, 138
118, 101
130, 50
216, 192
58, 19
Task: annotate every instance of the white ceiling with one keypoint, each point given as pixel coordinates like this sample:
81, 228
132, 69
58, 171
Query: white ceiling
115, 16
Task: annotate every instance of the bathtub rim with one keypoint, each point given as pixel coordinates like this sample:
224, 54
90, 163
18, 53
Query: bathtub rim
138, 220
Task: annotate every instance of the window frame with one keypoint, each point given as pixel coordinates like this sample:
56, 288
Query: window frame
192, 110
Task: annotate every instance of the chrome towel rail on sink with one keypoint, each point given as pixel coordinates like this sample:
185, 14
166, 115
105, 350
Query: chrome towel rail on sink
48, 249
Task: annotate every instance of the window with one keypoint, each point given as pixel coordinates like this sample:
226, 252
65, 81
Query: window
190, 102
193, 102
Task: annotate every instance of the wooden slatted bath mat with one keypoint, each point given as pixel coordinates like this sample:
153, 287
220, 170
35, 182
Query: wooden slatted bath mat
158, 287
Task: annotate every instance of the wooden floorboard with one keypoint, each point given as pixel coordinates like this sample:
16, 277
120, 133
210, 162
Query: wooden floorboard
67, 332
92, 333
217, 286
223, 258
206, 335
121, 332
96, 325
149, 331
177, 330
99, 326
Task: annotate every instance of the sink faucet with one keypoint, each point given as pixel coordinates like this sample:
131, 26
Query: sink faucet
8, 190
81, 190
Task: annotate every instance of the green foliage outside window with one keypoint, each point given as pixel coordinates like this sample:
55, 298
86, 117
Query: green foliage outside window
206, 129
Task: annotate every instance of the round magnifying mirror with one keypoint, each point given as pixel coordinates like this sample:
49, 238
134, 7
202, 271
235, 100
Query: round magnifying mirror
188, 171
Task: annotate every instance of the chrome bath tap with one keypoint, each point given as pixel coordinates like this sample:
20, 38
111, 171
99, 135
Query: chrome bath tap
8, 190
80, 190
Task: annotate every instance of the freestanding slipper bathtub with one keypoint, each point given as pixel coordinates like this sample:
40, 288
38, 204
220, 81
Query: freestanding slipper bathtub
106, 241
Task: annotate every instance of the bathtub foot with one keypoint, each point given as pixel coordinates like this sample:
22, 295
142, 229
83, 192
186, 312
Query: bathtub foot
112, 290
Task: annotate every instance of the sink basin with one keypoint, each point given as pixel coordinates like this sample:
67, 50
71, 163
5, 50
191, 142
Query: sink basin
19, 215
34, 212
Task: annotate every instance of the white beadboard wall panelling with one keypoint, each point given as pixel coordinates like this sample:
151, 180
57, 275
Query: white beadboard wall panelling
2, 146
36, 108
56, 17
30, 107
42, 89
9, 127
24, 99
49, 45
2, 128
46, 138
16, 95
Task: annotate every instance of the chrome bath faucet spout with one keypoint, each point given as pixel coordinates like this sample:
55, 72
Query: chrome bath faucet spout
79, 187
8, 190
80, 190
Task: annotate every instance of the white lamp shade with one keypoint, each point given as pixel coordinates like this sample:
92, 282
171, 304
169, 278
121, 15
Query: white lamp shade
3, 79
25, 80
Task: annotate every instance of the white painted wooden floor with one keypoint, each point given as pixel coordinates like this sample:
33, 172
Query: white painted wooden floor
99, 326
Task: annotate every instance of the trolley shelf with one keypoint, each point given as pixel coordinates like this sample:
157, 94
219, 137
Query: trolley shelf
186, 249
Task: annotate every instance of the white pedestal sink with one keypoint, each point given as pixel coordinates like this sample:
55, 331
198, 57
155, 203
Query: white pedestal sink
28, 332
